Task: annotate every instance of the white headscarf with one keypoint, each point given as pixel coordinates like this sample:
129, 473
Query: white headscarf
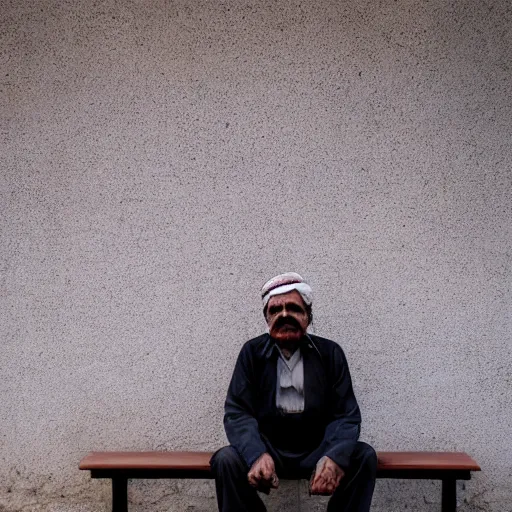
285, 283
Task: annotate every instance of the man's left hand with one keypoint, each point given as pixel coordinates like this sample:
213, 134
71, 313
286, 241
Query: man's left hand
327, 477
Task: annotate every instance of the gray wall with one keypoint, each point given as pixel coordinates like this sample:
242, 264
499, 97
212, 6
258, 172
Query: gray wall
160, 160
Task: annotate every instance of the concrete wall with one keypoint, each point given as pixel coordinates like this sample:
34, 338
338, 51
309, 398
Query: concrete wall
160, 160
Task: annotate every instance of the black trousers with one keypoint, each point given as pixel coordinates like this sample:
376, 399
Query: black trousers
234, 494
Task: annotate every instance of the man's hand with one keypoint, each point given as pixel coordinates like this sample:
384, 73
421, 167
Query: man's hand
327, 477
262, 475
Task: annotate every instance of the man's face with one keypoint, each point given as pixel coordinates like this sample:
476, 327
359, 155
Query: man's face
287, 317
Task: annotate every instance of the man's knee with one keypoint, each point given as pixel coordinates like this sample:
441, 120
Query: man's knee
366, 457
226, 458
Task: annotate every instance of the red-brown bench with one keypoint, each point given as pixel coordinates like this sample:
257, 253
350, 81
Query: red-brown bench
121, 466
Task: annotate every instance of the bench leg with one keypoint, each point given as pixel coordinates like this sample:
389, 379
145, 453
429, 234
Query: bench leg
449, 496
119, 495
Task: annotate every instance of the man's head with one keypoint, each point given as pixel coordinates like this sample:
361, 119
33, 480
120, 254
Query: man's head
287, 301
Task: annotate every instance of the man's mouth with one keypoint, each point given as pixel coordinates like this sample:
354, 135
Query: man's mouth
288, 325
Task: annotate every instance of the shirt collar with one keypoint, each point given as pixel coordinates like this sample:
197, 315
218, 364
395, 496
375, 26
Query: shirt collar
294, 359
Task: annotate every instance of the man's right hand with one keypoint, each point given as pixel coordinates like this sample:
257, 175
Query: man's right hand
262, 474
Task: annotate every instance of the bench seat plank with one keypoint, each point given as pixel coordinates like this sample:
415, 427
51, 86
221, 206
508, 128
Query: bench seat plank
200, 461
194, 461
431, 461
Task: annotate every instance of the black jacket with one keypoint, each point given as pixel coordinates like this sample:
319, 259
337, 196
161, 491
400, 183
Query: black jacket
331, 418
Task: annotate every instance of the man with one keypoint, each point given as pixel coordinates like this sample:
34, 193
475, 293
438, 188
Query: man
290, 412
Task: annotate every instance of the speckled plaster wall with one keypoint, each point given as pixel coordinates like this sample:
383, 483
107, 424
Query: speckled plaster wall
160, 160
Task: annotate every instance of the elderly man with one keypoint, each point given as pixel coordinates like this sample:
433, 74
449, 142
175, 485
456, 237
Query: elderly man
290, 412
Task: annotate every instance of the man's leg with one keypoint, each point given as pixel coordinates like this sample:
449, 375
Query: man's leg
354, 494
234, 494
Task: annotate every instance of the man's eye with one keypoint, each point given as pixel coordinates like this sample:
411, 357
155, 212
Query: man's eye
273, 311
295, 308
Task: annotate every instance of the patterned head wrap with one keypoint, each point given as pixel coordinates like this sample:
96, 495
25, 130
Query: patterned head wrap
285, 283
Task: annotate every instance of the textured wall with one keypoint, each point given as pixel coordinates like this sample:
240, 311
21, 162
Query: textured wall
160, 160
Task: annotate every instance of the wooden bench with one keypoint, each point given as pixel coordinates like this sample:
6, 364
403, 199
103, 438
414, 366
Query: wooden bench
122, 466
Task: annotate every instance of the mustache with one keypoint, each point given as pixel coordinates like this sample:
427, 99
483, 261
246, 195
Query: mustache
288, 320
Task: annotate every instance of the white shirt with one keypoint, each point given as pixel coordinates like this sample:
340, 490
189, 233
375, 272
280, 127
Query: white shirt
290, 383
